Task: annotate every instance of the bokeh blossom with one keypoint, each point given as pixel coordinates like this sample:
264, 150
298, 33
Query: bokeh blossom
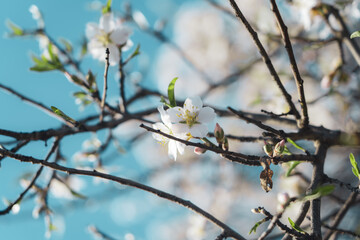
109, 33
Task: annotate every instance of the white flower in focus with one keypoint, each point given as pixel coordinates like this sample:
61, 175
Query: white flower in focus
107, 34
166, 127
191, 118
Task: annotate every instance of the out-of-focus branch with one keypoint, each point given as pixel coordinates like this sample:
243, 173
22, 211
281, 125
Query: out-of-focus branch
266, 59
102, 105
340, 215
299, 81
32, 182
130, 183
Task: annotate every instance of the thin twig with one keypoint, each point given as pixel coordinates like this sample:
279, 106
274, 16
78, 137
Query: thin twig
32, 182
123, 104
103, 99
266, 59
299, 81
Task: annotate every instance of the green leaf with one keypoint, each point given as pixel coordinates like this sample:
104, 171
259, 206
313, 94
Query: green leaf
355, 168
67, 44
43, 64
295, 145
319, 192
295, 226
171, 92
64, 116
136, 52
293, 165
257, 224
78, 195
107, 7
355, 34
163, 101
52, 227
16, 30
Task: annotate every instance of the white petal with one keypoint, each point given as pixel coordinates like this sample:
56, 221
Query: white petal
193, 104
92, 29
172, 151
114, 56
206, 114
176, 114
180, 129
162, 128
97, 50
165, 118
199, 130
180, 147
120, 35
107, 22
127, 46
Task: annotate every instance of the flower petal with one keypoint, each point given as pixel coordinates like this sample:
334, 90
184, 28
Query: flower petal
193, 104
199, 130
172, 151
120, 35
114, 56
176, 114
162, 128
92, 29
180, 147
180, 130
206, 114
165, 118
107, 22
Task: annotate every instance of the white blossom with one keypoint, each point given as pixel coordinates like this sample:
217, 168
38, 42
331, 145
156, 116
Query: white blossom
166, 127
192, 118
107, 34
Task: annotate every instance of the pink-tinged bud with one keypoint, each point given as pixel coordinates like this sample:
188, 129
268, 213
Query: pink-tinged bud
199, 150
225, 145
219, 134
268, 149
279, 148
283, 198
325, 82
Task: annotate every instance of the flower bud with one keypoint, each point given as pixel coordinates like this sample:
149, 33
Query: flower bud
283, 198
268, 149
279, 148
219, 134
199, 150
255, 210
225, 145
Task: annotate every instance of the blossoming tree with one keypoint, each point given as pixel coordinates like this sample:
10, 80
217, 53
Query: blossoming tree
271, 88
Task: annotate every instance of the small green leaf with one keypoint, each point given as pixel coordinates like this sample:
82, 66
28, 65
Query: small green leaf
107, 7
163, 101
64, 116
319, 192
83, 48
136, 52
257, 224
355, 168
16, 30
78, 195
355, 34
52, 227
293, 165
295, 145
171, 92
295, 226
67, 44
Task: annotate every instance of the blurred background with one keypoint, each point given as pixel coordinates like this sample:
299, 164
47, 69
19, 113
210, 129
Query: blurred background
215, 58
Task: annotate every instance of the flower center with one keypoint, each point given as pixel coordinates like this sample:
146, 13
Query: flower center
190, 118
104, 38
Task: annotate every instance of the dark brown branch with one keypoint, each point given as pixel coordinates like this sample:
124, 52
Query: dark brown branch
130, 183
299, 81
266, 59
341, 231
123, 104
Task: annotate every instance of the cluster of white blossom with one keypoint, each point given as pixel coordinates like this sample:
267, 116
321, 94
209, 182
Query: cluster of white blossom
109, 33
184, 122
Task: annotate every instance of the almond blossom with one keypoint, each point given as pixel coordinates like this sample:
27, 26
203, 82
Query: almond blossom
166, 127
192, 118
107, 34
